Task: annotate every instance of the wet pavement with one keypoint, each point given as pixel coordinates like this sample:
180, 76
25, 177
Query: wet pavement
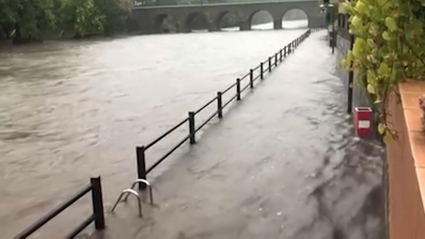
283, 163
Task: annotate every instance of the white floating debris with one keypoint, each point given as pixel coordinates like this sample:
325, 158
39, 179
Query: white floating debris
279, 213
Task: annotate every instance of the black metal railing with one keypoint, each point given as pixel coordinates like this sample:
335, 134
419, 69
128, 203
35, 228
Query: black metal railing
270, 63
97, 217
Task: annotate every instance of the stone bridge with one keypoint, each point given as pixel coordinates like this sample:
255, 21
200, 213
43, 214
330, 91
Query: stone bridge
149, 19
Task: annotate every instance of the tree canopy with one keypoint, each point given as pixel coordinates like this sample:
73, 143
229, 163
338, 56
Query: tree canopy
31, 18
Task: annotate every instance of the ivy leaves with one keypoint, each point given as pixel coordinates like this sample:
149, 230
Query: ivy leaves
391, 24
389, 47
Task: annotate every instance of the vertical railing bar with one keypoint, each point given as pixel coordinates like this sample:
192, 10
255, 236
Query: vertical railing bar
219, 105
238, 89
270, 64
251, 78
192, 128
275, 59
141, 165
97, 200
262, 70
280, 55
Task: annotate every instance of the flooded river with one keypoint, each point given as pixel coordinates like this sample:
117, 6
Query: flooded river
70, 110
74, 109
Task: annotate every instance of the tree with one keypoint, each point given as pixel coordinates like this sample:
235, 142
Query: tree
82, 16
115, 13
7, 17
30, 19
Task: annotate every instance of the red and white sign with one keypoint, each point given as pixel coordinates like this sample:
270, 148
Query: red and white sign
363, 121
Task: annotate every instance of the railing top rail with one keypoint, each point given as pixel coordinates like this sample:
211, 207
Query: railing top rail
165, 134
46, 218
206, 105
228, 88
167, 154
244, 76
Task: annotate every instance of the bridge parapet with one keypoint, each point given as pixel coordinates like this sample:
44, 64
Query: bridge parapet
150, 19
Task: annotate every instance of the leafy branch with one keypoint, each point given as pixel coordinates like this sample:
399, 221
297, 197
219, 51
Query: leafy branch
389, 47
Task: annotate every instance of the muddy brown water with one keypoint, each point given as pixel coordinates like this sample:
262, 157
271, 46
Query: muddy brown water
70, 110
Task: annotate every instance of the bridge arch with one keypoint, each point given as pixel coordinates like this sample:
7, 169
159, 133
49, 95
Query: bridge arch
294, 18
182, 18
260, 17
158, 22
196, 21
227, 19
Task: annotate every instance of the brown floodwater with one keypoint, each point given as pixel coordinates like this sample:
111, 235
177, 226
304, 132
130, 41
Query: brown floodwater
70, 110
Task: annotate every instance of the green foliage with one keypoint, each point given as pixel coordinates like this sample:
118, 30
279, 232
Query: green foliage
83, 16
114, 13
33, 17
7, 10
389, 48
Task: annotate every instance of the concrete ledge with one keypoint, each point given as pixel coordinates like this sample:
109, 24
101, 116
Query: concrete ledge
406, 161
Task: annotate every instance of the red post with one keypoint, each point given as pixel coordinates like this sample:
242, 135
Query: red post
363, 122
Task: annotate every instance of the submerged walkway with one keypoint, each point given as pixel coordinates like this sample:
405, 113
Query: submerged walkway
281, 164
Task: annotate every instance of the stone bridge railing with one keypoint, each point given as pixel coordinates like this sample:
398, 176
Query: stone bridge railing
150, 19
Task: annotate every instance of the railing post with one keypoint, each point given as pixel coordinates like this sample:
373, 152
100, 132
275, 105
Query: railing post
141, 165
350, 82
280, 55
285, 49
219, 105
275, 59
192, 138
238, 89
270, 64
97, 199
251, 78
262, 71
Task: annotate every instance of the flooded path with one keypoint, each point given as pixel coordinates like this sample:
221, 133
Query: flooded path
283, 163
